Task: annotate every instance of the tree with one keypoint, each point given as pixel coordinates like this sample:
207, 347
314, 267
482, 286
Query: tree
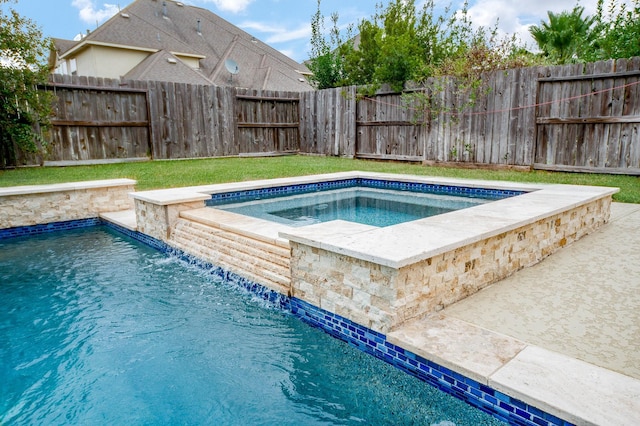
22, 68
403, 42
326, 62
618, 30
566, 37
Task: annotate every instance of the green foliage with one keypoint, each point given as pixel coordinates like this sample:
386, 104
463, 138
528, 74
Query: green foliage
403, 42
618, 32
612, 33
326, 62
22, 69
566, 36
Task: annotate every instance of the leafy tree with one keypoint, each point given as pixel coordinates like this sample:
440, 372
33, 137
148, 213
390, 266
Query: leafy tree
618, 29
403, 42
22, 69
326, 61
566, 37
359, 56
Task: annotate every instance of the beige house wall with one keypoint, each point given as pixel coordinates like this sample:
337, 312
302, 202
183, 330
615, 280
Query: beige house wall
108, 62
190, 61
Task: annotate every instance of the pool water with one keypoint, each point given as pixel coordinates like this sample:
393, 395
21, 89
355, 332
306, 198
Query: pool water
96, 328
368, 206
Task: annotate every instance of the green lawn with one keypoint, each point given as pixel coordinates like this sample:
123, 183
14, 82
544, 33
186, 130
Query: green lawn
166, 174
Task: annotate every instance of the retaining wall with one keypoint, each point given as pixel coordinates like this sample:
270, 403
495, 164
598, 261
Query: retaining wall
41, 204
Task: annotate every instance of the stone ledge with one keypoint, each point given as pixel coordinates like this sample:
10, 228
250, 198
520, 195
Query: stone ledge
571, 389
124, 218
411, 242
579, 392
62, 187
166, 197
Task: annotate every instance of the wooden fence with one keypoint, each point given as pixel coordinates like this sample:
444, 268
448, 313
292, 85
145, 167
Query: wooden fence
103, 119
91, 121
582, 117
577, 117
590, 118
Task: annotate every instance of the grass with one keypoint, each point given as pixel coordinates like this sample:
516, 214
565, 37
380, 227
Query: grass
176, 173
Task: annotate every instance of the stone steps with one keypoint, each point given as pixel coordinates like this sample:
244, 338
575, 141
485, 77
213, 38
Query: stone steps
255, 260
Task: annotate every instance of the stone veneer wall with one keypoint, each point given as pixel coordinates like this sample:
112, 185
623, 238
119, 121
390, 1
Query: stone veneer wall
157, 220
58, 203
258, 261
383, 298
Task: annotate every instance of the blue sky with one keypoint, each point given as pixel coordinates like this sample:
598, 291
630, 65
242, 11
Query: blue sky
285, 24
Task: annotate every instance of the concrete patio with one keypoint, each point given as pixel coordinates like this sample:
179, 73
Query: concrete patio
564, 335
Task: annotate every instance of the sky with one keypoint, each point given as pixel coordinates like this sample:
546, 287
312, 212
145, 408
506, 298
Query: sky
286, 24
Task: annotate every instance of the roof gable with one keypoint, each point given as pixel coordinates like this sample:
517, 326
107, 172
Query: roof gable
163, 66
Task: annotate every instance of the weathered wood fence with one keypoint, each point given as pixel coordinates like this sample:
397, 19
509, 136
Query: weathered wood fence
578, 117
583, 117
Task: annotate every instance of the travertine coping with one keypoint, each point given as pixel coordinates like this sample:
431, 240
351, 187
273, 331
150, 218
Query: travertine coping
166, 197
410, 242
574, 390
62, 187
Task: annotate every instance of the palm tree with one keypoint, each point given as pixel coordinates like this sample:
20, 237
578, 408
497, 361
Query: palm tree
564, 38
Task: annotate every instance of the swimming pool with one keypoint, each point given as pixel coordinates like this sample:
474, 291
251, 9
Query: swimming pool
97, 328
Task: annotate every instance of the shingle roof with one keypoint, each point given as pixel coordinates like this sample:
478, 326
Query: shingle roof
157, 25
163, 66
63, 45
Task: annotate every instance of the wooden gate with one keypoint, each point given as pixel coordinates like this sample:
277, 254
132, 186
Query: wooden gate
267, 122
589, 121
99, 123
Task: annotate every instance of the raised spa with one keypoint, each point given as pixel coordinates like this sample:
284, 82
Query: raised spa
366, 201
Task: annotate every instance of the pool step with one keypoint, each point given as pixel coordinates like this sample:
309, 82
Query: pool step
124, 218
264, 263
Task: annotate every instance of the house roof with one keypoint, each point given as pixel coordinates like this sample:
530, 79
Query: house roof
166, 27
163, 66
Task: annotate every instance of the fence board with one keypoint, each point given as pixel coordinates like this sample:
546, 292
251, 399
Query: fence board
598, 131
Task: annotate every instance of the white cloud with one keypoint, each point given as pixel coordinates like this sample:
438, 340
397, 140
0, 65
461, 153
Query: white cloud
278, 34
288, 52
233, 6
90, 15
515, 17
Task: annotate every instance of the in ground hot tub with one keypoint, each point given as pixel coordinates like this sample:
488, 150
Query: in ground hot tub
377, 276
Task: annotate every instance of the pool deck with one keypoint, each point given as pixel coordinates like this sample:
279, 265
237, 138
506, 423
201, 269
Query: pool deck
562, 335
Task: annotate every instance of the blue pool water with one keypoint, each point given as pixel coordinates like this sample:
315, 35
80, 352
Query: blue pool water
96, 328
369, 206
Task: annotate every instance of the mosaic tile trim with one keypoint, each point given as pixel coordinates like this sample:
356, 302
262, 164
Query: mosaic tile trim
489, 193
248, 195
303, 188
489, 400
23, 231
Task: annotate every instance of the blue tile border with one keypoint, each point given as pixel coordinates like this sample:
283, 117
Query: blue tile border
23, 231
485, 398
252, 194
